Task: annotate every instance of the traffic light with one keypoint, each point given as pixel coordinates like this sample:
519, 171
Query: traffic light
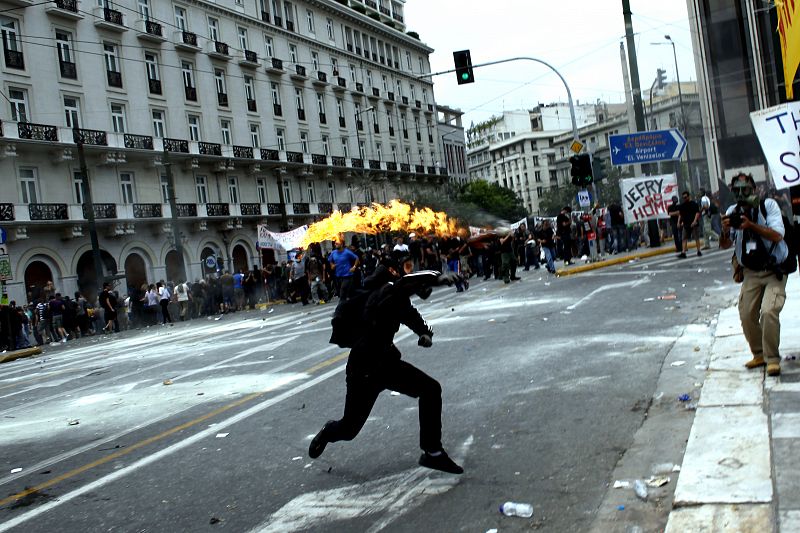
581, 170
661, 78
598, 168
463, 63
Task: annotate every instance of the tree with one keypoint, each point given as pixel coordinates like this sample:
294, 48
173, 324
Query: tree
493, 199
555, 198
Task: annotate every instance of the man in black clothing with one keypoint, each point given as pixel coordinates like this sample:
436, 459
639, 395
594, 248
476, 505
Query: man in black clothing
674, 211
564, 233
618, 228
689, 222
545, 237
374, 364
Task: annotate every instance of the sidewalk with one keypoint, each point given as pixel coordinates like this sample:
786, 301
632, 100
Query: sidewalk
739, 472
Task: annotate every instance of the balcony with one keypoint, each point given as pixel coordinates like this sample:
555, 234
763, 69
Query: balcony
342, 122
430, 138
140, 142
191, 93
109, 19
319, 159
376, 93
299, 72
222, 99
419, 169
341, 84
249, 59
405, 134
359, 125
67, 9
404, 100
250, 210
390, 96
321, 80
294, 157
146, 210
187, 210
148, 30
243, 152
325, 207
405, 167
68, 70
419, 137
290, 25
186, 41
218, 210
218, 50
48, 211
301, 114
385, 11
391, 131
356, 162
14, 59
154, 86
398, 17
429, 108
338, 161
252, 106
37, 132
374, 165
277, 110
176, 145
102, 211
274, 209
275, 66
270, 155
114, 79
209, 148
417, 104
323, 119
265, 16
301, 209
359, 87
278, 21
376, 128
90, 137
344, 208
432, 171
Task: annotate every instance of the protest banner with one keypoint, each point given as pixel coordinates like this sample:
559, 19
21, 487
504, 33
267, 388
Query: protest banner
778, 133
518, 223
647, 198
282, 241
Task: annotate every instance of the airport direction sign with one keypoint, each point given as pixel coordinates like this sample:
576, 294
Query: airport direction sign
646, 147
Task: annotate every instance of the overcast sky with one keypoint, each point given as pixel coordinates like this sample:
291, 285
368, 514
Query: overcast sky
580, 38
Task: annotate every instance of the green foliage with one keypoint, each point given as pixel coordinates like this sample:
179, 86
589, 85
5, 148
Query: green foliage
554, 199
413, 34
493, 199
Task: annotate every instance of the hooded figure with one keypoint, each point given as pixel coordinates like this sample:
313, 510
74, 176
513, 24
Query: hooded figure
375, 362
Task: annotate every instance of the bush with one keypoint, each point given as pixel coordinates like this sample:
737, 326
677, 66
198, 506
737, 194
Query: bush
413, 34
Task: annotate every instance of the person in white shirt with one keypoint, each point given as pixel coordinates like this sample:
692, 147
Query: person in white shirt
182, 291
164, 296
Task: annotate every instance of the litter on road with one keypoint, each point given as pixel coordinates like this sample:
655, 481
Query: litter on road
657, 481
167, 382
15, 470
640, 489
684, 398
222, 435
622, 484
678, 363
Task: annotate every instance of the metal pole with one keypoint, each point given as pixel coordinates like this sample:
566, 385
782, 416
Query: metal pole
173, 207
88, 208
682, 121
634, 67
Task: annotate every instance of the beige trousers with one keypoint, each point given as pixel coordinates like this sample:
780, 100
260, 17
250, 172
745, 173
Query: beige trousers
760, 302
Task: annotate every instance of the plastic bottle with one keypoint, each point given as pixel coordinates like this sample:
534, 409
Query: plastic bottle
523, 510
640, 489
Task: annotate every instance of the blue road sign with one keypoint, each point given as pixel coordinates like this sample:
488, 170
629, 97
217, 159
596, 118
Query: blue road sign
646, 147
2, 236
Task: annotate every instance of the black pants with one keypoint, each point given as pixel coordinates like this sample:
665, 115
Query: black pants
363, 389
165, 311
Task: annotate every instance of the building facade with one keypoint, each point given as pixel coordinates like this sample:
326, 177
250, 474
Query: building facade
263, 111
454, 146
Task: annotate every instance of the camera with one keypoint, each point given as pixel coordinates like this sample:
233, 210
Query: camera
735, 220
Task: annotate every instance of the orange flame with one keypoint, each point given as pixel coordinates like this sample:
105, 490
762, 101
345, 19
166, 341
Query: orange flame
377, 218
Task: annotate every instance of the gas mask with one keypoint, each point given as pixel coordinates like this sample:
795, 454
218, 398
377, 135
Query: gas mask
745, 194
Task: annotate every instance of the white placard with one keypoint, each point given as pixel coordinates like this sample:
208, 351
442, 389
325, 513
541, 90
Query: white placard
584, 198
283, 241
647, 198
778, 133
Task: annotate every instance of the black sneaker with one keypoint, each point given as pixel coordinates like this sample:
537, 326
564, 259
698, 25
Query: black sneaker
681, 255
440, 462
699, 253
318, 443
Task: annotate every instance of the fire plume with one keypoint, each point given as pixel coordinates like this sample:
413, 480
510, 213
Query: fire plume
378, 218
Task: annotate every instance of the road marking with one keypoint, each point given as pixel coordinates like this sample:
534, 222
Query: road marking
158, 455
630, 284
394, 495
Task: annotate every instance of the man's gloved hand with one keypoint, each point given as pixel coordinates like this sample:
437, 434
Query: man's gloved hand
425, 341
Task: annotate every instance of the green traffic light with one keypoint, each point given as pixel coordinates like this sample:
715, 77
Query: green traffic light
465, 76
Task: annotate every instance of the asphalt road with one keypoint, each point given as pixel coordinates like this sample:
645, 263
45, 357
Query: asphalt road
544, 383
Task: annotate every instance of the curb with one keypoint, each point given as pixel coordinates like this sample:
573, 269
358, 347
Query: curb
19, 354
617, 260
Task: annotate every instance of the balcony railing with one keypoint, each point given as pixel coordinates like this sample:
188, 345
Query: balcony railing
270, 155
14, 59
250, 210
390, 95
277, 110
432, 170
405, 167
187, 210
430, 108
67, 5
371, 3
252, 106
321, 76
341, 82
146, 210
419, 169
176, 145
359, 87
294, 157
290, 25
154, 86
359, 125
398, 18
391, 165
345, 207
209, 148
356, 162
300, 70
243, 152
325, 207
338, 161
221, 48
274, 209
323, 119
222, 99
319, 159
342, 122
68, 70
417, 104
218, 210
278, 21
191, 93
189, 38
250, 56
376, 92
113, 16
301, 209
385, 11
277, 63
101, 211
153, 28
301, 114
37, 132
265, 16
141, 142
6, 212
114, 78
48, 211
374, 165
404, 99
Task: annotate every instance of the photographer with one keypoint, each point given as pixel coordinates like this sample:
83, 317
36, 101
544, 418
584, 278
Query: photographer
756, 229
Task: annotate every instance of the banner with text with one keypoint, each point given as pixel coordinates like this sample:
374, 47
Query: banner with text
282, 241
778, 131
647, 198
789, 31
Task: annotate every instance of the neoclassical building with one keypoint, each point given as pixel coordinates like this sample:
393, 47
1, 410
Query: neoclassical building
258, 111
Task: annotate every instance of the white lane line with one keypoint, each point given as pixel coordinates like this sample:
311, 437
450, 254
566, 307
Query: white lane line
166, 452
396, 495
608, 287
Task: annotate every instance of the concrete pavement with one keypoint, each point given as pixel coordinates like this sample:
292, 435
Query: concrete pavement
739, 472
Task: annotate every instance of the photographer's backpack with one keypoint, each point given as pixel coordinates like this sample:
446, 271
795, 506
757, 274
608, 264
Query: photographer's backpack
791, 237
